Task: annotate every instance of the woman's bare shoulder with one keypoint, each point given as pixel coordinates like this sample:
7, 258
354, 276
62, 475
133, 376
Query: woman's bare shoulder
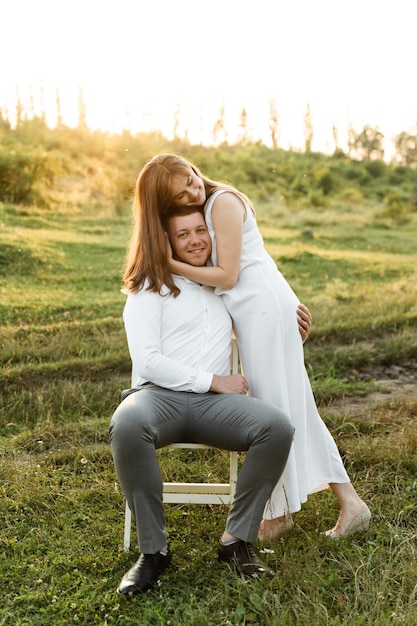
229, 199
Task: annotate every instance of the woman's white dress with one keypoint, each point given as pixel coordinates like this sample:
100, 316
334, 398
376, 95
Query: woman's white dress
263, 308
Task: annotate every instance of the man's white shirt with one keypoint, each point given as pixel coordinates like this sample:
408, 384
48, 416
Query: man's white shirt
178, 343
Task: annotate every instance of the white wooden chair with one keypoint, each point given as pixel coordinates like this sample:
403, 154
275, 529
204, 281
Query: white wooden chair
196, 493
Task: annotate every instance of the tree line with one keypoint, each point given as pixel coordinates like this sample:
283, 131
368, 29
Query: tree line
363, 144
35, 155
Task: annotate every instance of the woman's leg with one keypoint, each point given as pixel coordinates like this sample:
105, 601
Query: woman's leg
273, 528
354, 515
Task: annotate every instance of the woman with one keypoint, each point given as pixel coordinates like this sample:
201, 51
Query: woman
263, 308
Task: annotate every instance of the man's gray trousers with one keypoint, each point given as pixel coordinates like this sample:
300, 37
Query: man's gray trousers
153, 417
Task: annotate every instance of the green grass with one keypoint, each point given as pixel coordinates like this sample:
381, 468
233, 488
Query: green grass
64, 361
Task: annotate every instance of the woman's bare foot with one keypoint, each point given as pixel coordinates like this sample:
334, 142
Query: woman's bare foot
273, 528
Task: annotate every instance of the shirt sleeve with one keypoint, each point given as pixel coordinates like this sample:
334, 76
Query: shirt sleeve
142, 319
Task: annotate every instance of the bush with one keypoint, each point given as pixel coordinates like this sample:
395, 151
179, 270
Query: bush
26, 172
316, 198
325, 180
375, 168
397, 206
352, 195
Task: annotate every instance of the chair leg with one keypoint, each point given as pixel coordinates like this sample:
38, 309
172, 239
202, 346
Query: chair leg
128, 524
233, 472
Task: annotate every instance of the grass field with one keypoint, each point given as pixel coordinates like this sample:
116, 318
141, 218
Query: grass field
64, 362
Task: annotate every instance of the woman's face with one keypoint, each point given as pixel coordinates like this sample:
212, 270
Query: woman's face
188, 190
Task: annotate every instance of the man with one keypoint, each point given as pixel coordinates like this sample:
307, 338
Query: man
182, 391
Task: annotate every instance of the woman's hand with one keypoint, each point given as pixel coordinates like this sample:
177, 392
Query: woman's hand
304, 320
169, 248
170, 256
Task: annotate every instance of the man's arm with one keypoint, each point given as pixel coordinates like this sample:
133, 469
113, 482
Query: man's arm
143, 319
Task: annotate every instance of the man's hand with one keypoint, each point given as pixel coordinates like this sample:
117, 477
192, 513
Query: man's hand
235, 383
304, 320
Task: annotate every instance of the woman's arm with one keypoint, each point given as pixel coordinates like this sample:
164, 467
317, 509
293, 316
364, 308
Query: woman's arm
228, 215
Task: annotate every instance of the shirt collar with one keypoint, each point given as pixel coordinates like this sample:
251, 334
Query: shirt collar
187, 280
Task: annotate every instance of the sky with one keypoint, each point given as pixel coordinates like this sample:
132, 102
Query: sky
138, 61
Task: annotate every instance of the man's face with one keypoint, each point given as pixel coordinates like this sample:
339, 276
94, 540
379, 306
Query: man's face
189, 239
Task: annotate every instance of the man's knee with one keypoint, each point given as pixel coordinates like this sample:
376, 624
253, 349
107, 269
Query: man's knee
127, 420
281, 428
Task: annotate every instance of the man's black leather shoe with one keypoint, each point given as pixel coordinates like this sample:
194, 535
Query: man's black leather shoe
144, 573
243, 556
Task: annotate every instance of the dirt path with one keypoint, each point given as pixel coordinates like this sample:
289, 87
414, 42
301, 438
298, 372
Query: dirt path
393, 381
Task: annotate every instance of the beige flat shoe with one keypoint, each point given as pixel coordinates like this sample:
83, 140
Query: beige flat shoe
359, 524
275, 530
